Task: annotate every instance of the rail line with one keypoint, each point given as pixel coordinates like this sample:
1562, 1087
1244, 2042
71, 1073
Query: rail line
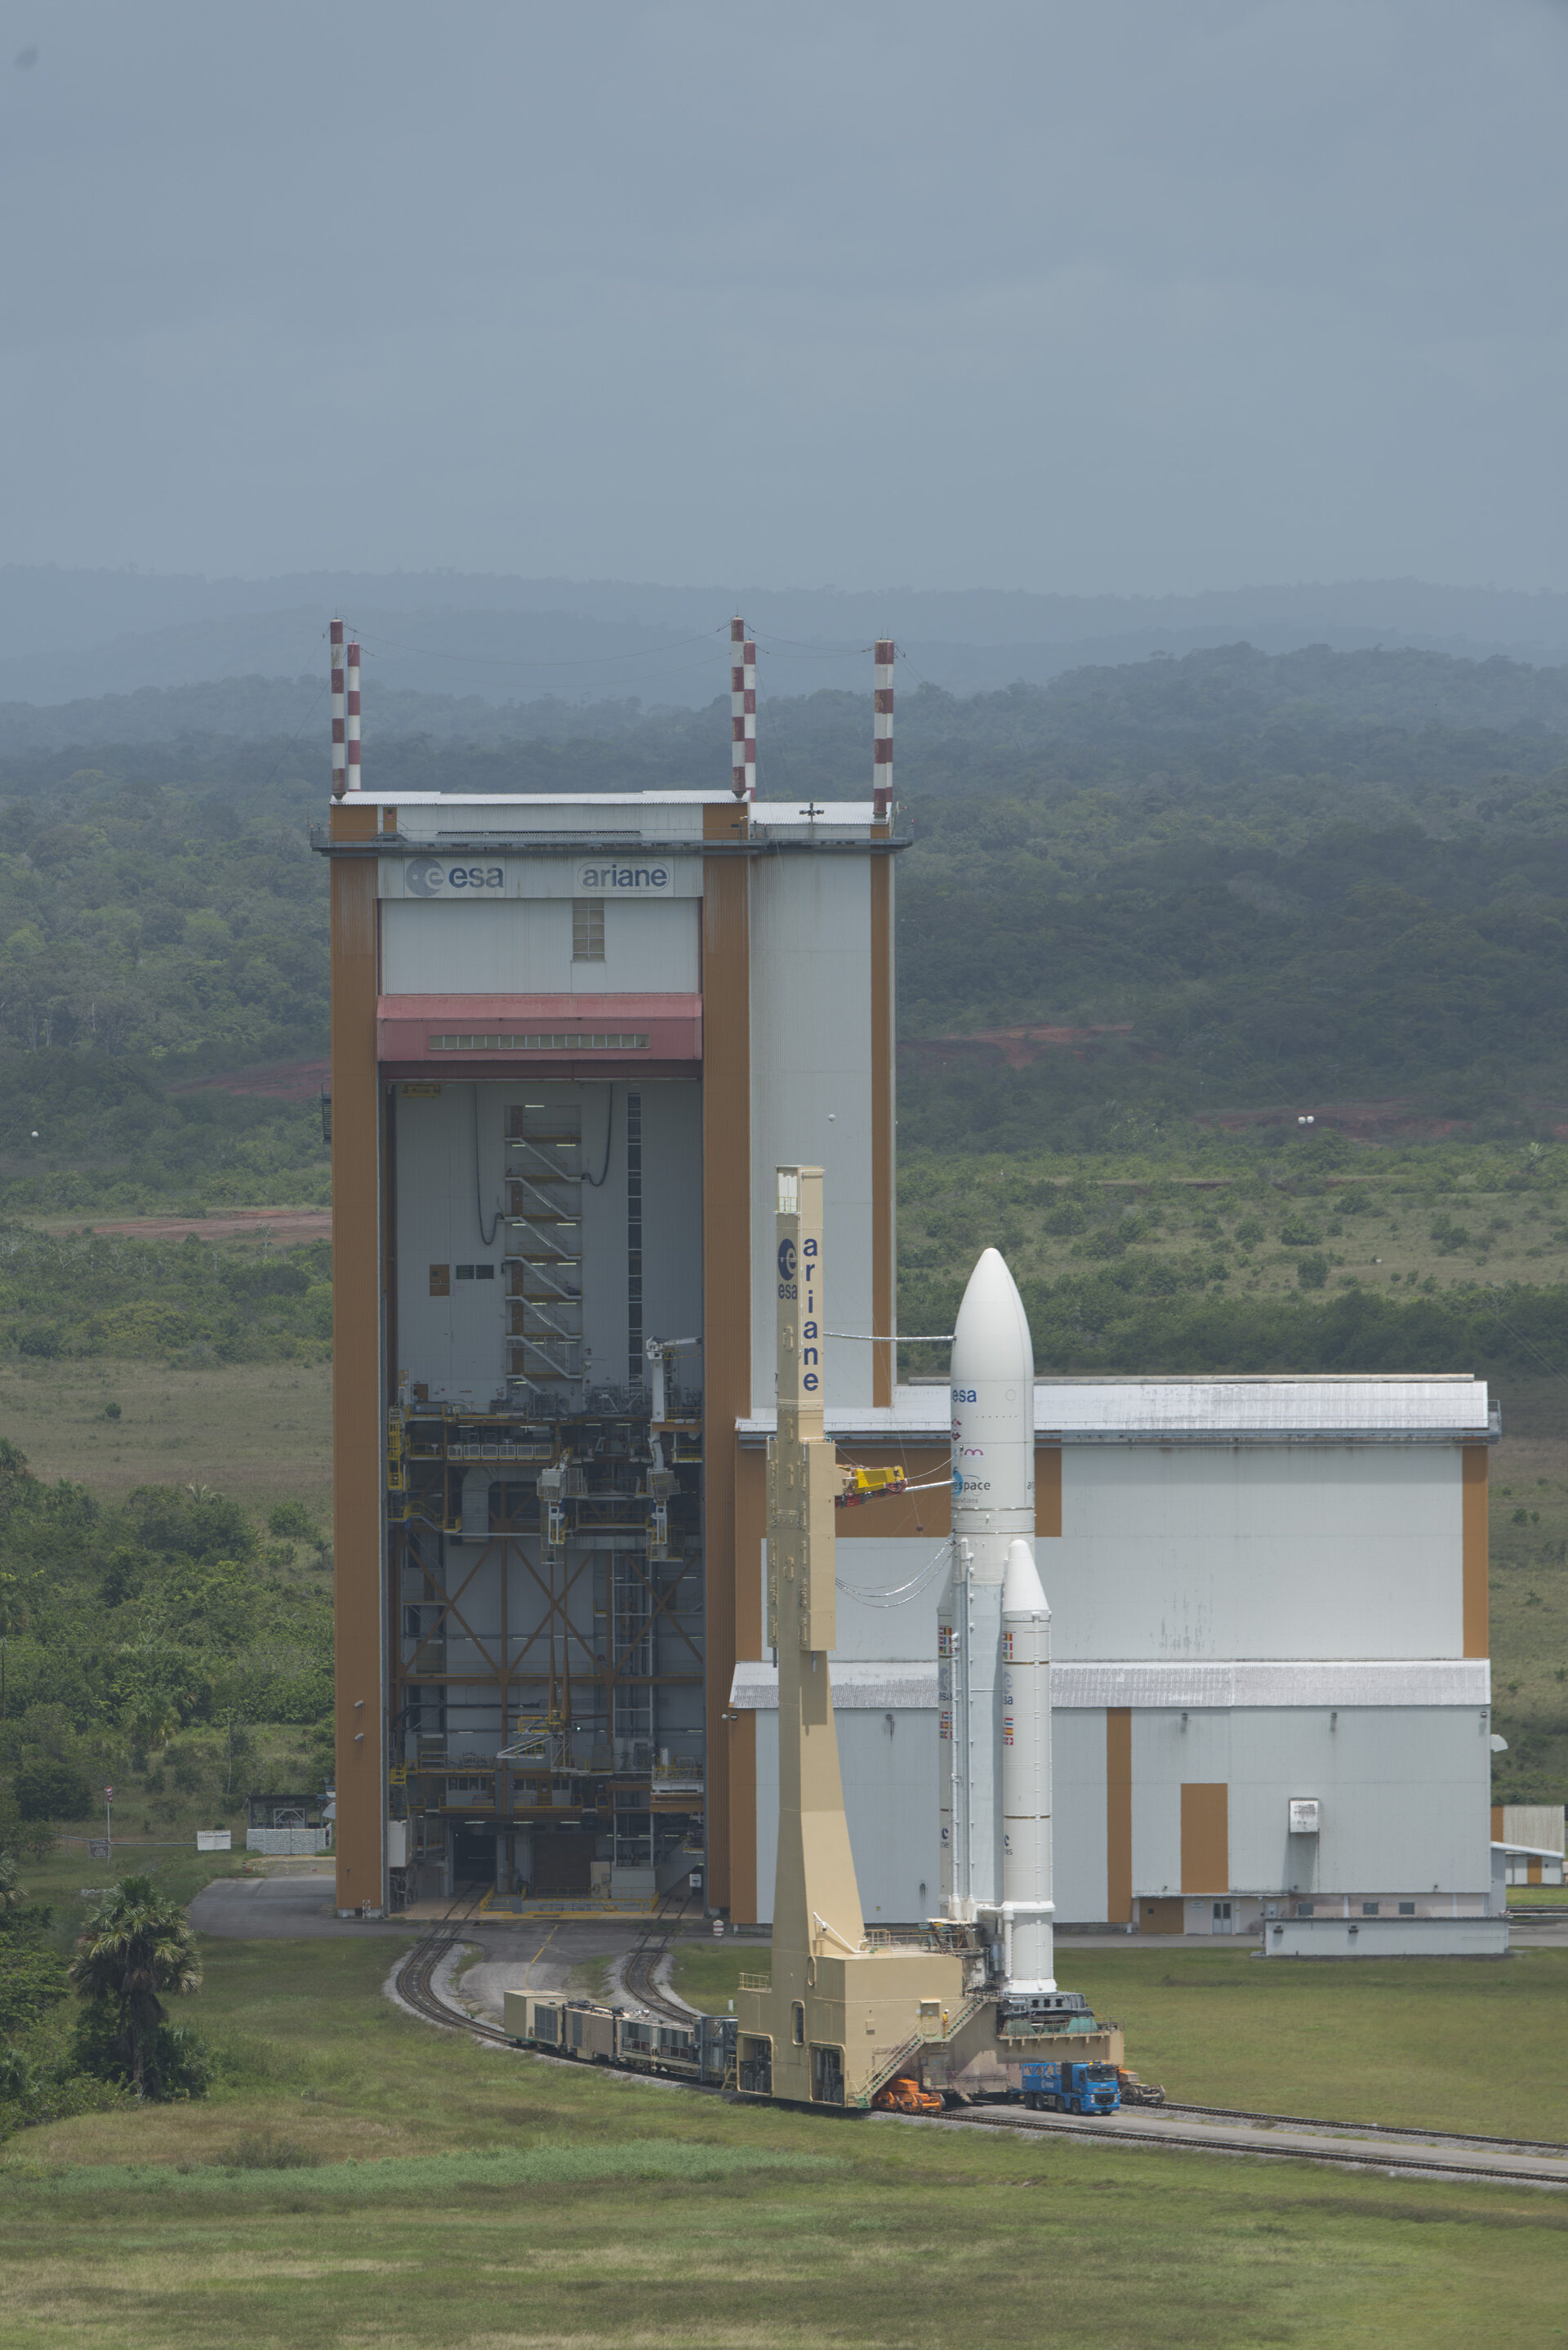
415, 1979
1420, 2152
1537, 2162
640, 1967
1369, 2129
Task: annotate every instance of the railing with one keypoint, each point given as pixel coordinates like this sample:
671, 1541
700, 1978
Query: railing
887, 2064
753, 1982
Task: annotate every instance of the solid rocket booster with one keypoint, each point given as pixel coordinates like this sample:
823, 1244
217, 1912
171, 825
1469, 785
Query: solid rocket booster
992, 1381
1027, 1907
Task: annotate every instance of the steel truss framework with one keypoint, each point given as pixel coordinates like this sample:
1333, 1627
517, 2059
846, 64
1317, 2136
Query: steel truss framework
568, 1657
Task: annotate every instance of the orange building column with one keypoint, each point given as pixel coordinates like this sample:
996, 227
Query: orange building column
731, 1769
355, 1372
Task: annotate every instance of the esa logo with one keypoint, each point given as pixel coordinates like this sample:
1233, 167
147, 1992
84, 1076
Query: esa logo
430, 879
965, 1395
786, 1260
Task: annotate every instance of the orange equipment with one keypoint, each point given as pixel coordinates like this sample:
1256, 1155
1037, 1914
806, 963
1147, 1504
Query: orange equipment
905, 2096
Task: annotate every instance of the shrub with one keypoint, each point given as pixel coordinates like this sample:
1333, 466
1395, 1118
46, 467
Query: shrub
291, 1522
263, 2151
51, 1790
1311, 1272
40, 1339
177, 2063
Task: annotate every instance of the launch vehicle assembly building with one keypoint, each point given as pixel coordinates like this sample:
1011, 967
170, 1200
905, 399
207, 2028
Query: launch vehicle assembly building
573, 1039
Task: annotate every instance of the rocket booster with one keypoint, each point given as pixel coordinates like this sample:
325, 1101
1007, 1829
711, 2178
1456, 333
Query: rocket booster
1027, 1903
993, 1801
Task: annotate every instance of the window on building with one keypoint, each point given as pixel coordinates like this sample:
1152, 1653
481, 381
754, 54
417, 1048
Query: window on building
797, 2014
1406, 1909
1304, 1909
587, 930
1369, 1908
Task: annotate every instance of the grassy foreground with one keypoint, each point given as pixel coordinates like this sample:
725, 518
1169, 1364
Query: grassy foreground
434, 2192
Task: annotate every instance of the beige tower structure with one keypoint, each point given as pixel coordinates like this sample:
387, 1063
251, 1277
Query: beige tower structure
846, 2012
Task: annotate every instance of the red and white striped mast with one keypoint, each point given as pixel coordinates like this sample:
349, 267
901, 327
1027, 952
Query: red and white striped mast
353, 718
882, 731
742, 712
338, 712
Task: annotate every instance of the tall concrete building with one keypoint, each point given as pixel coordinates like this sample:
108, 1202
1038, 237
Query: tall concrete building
572, 1038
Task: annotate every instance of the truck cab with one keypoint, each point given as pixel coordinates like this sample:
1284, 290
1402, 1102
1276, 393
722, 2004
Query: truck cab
1071, 2088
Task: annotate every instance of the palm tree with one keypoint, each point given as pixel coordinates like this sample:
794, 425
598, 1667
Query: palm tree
137, 1943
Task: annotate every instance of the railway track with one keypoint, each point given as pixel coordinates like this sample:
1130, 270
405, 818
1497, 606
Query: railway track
1369, 2129
640, 1970
415, 1977
1216, 2129
1430, 2154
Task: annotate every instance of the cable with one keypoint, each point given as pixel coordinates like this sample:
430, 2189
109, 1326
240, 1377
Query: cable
562, 661
820, 653
894, 1337
597, 1181
896, 1596
486, 1238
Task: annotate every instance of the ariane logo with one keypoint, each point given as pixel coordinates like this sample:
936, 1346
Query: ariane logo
786, 1260
430, 878
624, 877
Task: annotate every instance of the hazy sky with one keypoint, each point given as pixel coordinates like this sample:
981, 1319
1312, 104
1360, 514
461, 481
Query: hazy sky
1135, 295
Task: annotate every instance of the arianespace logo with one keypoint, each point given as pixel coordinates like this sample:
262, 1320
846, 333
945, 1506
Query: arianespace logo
431, 877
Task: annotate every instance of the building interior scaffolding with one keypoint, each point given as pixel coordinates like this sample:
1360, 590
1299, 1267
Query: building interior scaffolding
546, 1574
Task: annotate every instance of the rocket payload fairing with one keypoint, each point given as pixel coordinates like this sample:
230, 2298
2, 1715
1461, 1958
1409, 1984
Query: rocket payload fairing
994, 1642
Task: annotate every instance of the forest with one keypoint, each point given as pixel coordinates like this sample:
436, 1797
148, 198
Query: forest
1234, 884
1274, 875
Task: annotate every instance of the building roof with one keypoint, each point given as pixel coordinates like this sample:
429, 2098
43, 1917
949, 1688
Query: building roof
1440, 1408
1249, 1684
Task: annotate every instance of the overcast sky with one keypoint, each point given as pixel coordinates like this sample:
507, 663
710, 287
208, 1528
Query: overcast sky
1136, 295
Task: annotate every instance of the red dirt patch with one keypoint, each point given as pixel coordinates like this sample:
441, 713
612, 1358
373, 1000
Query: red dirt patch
282, 1227
1376, 1121
1015, 1047
282, 1080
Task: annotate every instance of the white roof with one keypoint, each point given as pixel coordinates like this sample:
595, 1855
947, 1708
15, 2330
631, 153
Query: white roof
1434, 1406
1250, 1683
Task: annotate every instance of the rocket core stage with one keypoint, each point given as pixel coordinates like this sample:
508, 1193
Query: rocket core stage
994, 1642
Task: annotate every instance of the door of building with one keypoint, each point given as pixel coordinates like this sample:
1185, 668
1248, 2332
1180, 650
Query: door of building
1223, 1922
562, 1862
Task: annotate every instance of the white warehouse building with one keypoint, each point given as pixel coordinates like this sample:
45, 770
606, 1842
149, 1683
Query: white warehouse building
1271, 1688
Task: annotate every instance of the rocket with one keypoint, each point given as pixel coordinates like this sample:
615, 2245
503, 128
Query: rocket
994, 1644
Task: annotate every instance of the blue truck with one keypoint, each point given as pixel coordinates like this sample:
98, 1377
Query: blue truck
1072, 2088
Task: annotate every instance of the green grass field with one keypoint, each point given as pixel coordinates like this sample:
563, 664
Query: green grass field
260, 1432
365, 2180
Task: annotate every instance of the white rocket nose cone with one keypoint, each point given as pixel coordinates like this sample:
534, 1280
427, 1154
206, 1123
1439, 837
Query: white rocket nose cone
991, 1338
1022, 1593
